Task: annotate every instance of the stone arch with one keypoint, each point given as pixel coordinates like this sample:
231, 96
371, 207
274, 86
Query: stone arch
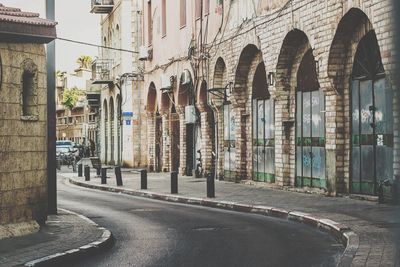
165, 102
294, 46
259, 85
352, 27
202, 95
220, 75
185, 91
151, 106
244, 67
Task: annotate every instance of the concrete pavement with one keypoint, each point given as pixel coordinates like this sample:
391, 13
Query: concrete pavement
376, 225
65, 236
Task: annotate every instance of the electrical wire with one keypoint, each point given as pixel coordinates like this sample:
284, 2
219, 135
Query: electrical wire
98, 46
266, 23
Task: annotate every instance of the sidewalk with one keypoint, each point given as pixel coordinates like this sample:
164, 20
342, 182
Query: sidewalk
377, 226
65, 236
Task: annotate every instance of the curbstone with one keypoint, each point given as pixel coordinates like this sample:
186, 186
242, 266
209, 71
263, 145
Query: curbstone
341, 232
105, 241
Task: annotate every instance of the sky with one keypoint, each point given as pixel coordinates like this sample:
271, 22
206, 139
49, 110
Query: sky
74, 22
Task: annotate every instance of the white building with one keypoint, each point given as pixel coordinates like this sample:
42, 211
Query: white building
117, 70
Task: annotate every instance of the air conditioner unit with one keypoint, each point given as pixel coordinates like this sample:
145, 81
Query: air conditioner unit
165, 82
143, 53
186, 78
190, 115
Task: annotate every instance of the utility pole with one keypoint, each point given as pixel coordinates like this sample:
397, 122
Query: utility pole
51, 116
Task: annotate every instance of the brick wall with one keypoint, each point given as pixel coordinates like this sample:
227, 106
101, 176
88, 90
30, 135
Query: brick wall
333, 30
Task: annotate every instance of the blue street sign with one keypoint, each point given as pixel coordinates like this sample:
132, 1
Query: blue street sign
128, 122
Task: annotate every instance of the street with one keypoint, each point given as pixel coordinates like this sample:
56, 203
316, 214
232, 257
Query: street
154, 233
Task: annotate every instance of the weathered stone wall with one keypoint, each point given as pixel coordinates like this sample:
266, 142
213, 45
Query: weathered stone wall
333, 45
23, 140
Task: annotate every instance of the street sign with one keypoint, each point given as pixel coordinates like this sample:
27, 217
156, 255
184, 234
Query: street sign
128, 122
127, 114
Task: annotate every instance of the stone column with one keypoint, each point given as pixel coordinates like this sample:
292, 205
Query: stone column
240, 143
283, 130
166, 141
151, 139
182, 142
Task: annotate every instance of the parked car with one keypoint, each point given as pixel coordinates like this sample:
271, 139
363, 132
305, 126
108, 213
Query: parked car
69, 145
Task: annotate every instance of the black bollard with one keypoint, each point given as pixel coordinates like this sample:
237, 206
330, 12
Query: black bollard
174, 182
103, 175
87, 173
98, 171
118, 175
80, 167
210, 185
143, 179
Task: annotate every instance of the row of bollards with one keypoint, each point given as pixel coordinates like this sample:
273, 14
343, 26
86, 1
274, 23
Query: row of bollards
143, 178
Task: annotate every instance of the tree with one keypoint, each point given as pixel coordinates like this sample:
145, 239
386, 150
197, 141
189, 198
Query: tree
84, 62
71, 97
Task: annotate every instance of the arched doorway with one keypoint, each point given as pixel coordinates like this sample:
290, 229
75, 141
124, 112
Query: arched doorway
263, 129
112, 132
310, 126
105, 115
372, 119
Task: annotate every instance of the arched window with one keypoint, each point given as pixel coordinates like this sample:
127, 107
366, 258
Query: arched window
29, 89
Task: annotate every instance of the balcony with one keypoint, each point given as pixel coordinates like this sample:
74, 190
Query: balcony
102, 6
101, 71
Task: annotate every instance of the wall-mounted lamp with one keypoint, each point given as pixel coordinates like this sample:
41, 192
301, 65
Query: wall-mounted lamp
271, 79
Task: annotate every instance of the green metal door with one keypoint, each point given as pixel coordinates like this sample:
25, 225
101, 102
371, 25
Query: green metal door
310, 139
372, 120
229, 143
263, 140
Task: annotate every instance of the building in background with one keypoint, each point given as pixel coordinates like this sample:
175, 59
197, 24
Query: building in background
120, 75
79, 122
23, 120
180, 124
303, 94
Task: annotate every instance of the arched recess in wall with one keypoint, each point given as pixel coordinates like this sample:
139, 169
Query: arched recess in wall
239, 111
151, 105
263, 126
185, 89
105, 116
112, 131
119, 129
217, 100
156, 123
297, 87
370, 107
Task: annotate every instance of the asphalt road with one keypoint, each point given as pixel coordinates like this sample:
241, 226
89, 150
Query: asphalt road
155, 233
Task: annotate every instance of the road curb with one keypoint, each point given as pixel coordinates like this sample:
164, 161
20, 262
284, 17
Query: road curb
349, 239
105, 241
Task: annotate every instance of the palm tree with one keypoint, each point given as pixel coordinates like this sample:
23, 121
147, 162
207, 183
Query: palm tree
84, 62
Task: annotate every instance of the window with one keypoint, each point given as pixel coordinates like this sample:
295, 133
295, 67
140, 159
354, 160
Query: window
207, 7
29, 90
198, 9
164, 17
149, 23
183, 13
